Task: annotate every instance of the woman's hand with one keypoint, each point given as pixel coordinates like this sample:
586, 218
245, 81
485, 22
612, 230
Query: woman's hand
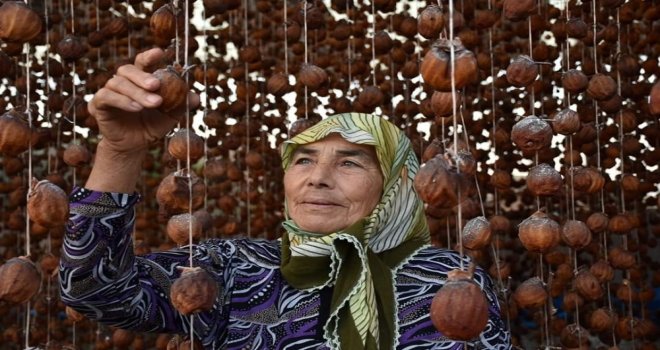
129, 121
126, 107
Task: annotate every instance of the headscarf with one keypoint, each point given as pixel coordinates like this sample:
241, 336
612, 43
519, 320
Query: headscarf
359, 261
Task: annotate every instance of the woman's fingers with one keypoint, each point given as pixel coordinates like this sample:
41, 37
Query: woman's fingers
138, 77
123, 86
148, 58
107, 99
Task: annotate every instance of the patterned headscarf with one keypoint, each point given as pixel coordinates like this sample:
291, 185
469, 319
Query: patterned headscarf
359, 260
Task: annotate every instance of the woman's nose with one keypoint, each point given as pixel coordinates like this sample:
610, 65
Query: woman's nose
320, 175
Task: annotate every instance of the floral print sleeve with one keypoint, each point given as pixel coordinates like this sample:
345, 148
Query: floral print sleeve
102, 278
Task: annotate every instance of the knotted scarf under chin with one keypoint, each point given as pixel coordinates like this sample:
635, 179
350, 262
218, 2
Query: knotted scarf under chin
362, 308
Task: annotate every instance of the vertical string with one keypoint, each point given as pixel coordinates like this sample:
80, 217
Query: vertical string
177, 43
373, 42
547, 304
392, 77
28, 63
600, 170
595, 30
349, 50
47, 115
286, 42
531, 49
574, 251
496, 204
205, 108
247, 122
186, 30
304, 4
622, 172
73, 90
452, 57
98, 28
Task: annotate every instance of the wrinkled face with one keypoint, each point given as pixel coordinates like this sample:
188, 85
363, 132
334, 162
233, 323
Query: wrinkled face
331, 184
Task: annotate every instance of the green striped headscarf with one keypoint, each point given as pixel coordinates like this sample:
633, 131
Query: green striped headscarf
359, 261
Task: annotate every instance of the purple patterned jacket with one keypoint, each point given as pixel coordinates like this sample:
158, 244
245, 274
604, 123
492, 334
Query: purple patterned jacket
255, 308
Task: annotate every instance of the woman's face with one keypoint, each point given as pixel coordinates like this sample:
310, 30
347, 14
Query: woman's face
331, 184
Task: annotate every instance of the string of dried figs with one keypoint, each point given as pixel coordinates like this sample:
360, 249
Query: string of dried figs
178, 343
20, 280
18, 22
539, 233
436, 65
459, 310
566, 122
194, 291
574, 81
76, 155
477, 233
602, 319
174, 196
588, 285
654, 99
442, 103
49, 264
312, 76
173, 88
181, 227
586, 179
430, 22
531, 293
544, 180
602, 270
522, 71
71, 48
601, 87
516, 10
15, 134
575, 234
47, 204
574, 336
436, 183
278, 84
531, 134
165, 22
597, 222
185, 144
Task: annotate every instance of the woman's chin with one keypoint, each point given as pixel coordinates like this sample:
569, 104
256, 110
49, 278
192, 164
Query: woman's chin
323, 227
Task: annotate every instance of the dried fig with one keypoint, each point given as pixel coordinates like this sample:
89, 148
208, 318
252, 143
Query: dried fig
436, 67
531, 134
18, 22
173, 194
19, 280
531, 293
477, 233
173, 89
194, 291
47, 204
186, 144
459, 310
539, 233
15, 135
544, 180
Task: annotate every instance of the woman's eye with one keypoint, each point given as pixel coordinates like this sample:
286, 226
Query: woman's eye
303, 161
349, 163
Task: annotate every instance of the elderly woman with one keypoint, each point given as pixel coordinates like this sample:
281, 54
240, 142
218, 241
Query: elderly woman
354, 269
